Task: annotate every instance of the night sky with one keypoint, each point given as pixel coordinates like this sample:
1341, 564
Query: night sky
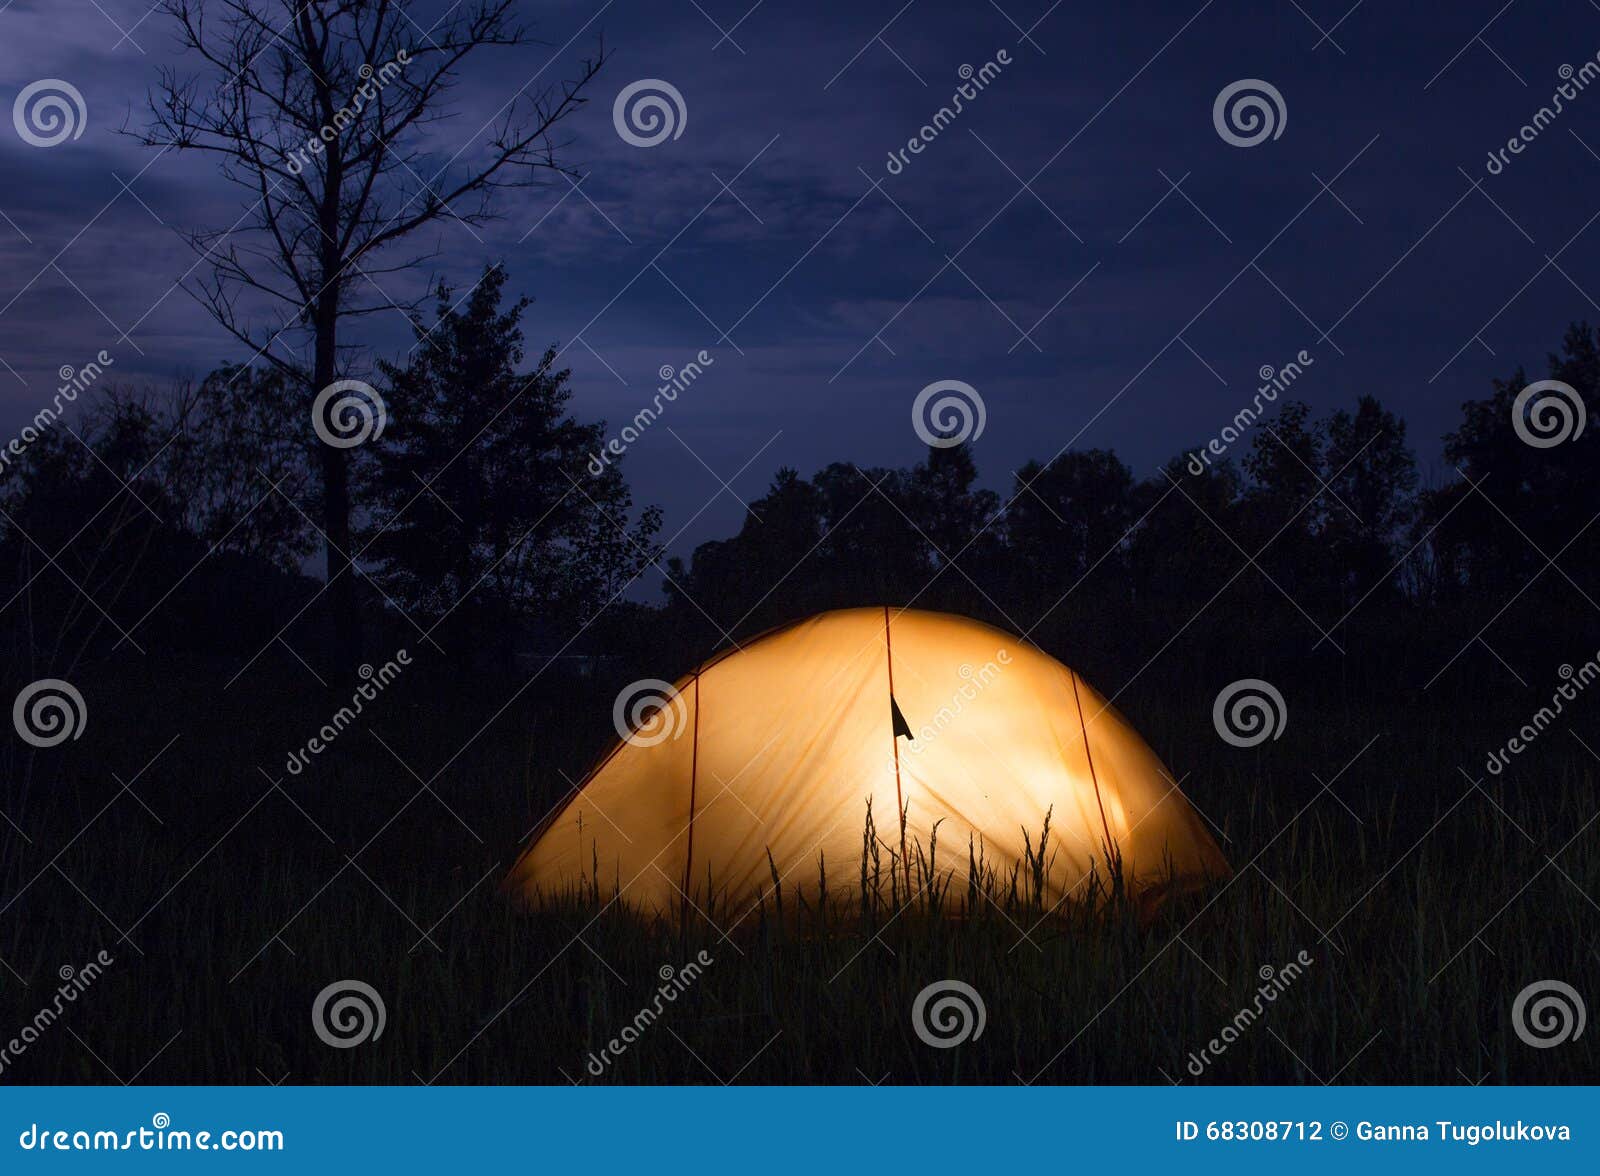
1080, 244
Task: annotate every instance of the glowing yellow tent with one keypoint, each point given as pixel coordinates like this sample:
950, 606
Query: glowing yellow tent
778, 746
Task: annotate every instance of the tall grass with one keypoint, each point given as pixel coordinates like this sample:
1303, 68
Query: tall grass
1426, 901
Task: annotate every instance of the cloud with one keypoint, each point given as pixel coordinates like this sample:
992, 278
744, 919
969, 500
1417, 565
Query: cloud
807, 265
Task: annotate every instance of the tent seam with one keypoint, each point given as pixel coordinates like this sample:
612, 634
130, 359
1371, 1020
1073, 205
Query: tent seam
894, 741
694, 770
1093, 775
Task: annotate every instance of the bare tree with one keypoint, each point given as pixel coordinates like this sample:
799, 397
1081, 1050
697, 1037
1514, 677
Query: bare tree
326, 112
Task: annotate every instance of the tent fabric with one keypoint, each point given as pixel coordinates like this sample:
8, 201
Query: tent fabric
778, 746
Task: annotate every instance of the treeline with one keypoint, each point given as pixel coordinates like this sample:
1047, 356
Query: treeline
184, 520
187, 518
1314, 546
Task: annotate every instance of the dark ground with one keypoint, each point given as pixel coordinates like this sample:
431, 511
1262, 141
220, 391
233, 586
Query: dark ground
1427, 892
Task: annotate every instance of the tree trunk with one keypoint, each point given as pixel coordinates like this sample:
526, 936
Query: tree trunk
341, 577
335, 464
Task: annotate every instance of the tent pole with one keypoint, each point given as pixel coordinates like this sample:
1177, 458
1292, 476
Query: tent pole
894, 742
1089, 755
694, 770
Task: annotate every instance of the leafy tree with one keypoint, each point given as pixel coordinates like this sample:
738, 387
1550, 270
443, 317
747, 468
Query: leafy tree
77, 516
1285, 505
1068, 516
152, 512
1531, 501
485, 507
236, 471
848, 537
1372, 482
958, 519
325, 114
873, 553
766, 574
1177, 560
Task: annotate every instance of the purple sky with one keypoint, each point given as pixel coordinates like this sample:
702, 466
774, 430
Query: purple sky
1147, 310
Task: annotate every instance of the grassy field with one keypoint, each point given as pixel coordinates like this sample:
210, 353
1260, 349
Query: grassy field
1424, 901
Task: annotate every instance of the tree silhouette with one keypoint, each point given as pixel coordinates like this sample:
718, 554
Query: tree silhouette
952, 511
319, 112
1284, 503
766, 574
1179, 555
1069, 516
1372, 480
1519, 504
484, 505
